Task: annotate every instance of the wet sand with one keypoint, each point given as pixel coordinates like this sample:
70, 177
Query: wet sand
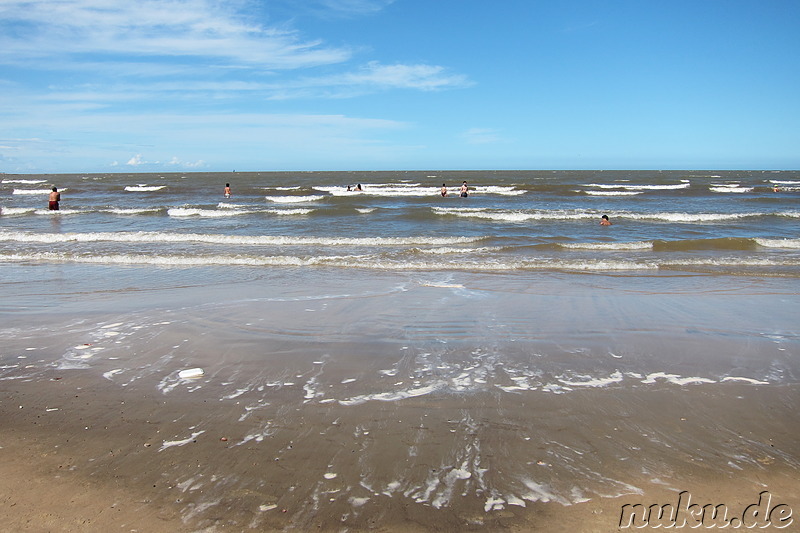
102, 461
417, 404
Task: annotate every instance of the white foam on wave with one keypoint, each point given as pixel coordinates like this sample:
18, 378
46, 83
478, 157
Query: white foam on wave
381, 189
416, 190
25, 182
733, 262
350, 261
512, 216
294, 199
641, 245
16, 211
628, 187
144, 188
730, 189
778, 243
612, 193
32, 191
445, 250
162, 237
131, 211
690, 217
196, 212
496, 189
288, 212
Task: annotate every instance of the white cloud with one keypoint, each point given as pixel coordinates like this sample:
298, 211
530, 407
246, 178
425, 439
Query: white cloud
136, 160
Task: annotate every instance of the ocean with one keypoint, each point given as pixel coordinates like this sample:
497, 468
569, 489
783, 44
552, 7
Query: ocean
391, 358
512, 221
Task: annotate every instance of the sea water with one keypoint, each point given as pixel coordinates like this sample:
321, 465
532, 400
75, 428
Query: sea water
512, 221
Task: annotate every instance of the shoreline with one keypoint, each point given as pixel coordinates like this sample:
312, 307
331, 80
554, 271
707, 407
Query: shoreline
112, 457
395, 402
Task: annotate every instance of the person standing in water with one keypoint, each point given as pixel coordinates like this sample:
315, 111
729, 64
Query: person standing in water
55, 197
604, 221
464, 190
227, 190
444, 189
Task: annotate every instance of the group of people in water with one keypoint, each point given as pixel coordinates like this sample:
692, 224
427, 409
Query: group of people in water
55, 197
463, 191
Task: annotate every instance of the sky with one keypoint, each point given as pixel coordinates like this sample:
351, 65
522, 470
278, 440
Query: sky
284, 85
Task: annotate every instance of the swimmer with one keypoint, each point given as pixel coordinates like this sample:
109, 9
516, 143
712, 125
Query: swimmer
444, 189
227, 190
464, 190
604, 221
55, 197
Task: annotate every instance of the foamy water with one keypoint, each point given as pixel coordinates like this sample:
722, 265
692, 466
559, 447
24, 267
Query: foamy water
518, 221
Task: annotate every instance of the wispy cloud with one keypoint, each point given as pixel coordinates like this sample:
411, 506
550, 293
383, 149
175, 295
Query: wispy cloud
138, 161
481, 136
370, 78
345, 8
425, 77
148, 46
66, 29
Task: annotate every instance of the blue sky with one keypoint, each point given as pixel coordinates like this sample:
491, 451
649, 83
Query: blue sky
211, 85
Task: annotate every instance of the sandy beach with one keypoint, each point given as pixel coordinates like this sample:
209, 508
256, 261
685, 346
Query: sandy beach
401, 402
